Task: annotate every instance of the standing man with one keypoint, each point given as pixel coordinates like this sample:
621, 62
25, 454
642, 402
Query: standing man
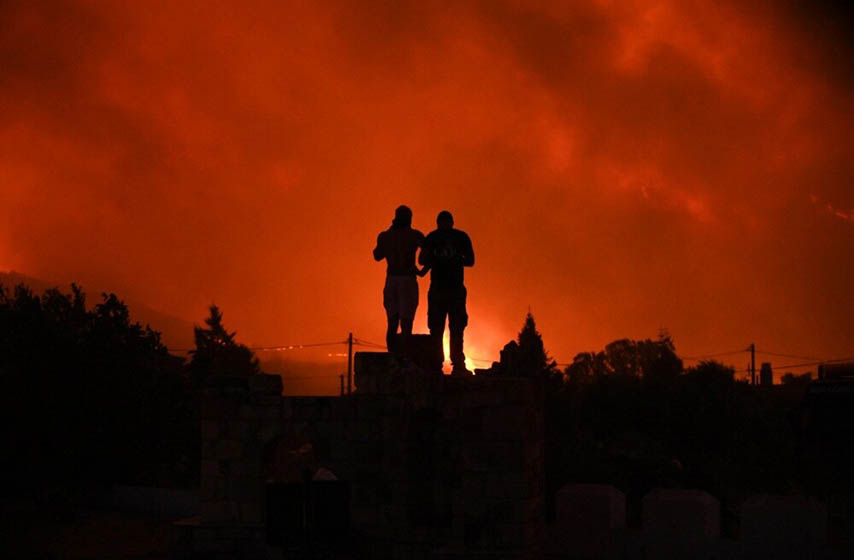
397, 245
446, 251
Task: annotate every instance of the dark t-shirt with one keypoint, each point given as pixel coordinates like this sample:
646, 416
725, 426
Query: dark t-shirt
397, 246
446, 252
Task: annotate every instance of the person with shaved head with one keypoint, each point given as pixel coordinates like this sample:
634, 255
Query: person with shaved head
397, 245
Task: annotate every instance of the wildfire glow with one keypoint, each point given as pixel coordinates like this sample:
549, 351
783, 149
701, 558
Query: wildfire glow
471, 354
619, 166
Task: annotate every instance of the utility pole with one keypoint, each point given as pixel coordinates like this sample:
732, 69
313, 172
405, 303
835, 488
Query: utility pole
752, 364
341, 379
350, 363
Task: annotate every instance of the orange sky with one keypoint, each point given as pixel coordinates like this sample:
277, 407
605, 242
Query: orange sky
620, 166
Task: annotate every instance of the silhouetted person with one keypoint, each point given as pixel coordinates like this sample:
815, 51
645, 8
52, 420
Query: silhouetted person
446, 251
397, 245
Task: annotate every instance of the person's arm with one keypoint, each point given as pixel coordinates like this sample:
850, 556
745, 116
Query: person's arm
425, 256
422, 259
468, 253
379, 250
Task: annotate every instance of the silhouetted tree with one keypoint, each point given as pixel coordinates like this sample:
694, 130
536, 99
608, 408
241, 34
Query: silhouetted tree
799, 379
88, 395
217, 353
649, 359
526, 356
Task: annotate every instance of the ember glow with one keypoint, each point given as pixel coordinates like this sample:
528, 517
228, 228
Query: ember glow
621, 167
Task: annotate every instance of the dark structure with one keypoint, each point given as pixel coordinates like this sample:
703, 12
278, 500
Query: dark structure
766, 375
424, 466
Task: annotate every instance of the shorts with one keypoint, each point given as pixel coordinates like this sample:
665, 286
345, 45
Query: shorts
400, 296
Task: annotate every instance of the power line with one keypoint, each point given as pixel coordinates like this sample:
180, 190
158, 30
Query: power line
276, 348
289, 377
363, 342
788, 355
808, 364
714, 355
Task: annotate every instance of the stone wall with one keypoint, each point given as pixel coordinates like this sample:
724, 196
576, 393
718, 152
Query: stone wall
438, 466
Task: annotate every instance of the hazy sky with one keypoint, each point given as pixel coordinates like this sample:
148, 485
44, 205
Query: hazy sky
620, 166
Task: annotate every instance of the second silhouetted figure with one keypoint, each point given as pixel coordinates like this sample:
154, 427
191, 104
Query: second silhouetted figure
446, 251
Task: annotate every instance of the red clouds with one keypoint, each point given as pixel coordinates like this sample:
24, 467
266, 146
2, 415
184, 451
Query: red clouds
620, 166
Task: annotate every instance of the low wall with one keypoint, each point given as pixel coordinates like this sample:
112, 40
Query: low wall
438, 466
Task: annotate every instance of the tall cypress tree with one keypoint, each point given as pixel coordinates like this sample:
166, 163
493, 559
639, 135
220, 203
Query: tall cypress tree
217, 353
526, 356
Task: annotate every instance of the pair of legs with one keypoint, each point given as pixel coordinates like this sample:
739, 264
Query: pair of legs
400, 299
449, 305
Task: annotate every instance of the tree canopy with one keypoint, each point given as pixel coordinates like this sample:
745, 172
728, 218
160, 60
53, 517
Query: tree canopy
217, 353
526, 356
88, 395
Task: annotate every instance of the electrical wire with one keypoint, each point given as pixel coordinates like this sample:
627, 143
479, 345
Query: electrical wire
276, 348
780, 355
714, 355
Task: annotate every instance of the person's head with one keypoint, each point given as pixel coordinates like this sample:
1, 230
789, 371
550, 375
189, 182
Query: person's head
402, 216
445, 220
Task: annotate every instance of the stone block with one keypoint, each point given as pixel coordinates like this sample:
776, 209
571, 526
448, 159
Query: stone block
210, 429
480, 396
243, 489
287, 409
510, 535
610, 545
364, 516
228, 449
219, 512
783, 526
265, 383
365, 491
392, 514
212, 488
268, 400
251, 513
341, 450
208, 448
268, 431
689, 513
342, 409
237, 429
509, 422
513, 485
249, 412
247, 468
421, 386
422, 350
216, 407
210, 467
667, 545
369, 363
590, 507
497, 456
270, 412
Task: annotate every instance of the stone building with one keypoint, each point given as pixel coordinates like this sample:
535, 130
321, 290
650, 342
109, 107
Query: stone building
427, 466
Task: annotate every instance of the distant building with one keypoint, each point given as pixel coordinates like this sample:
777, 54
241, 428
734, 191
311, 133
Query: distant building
836, 371
766, 375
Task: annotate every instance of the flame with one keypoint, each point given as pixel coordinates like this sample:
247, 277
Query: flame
469, 350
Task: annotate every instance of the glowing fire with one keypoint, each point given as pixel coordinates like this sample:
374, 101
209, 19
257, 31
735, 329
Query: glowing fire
469, 351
